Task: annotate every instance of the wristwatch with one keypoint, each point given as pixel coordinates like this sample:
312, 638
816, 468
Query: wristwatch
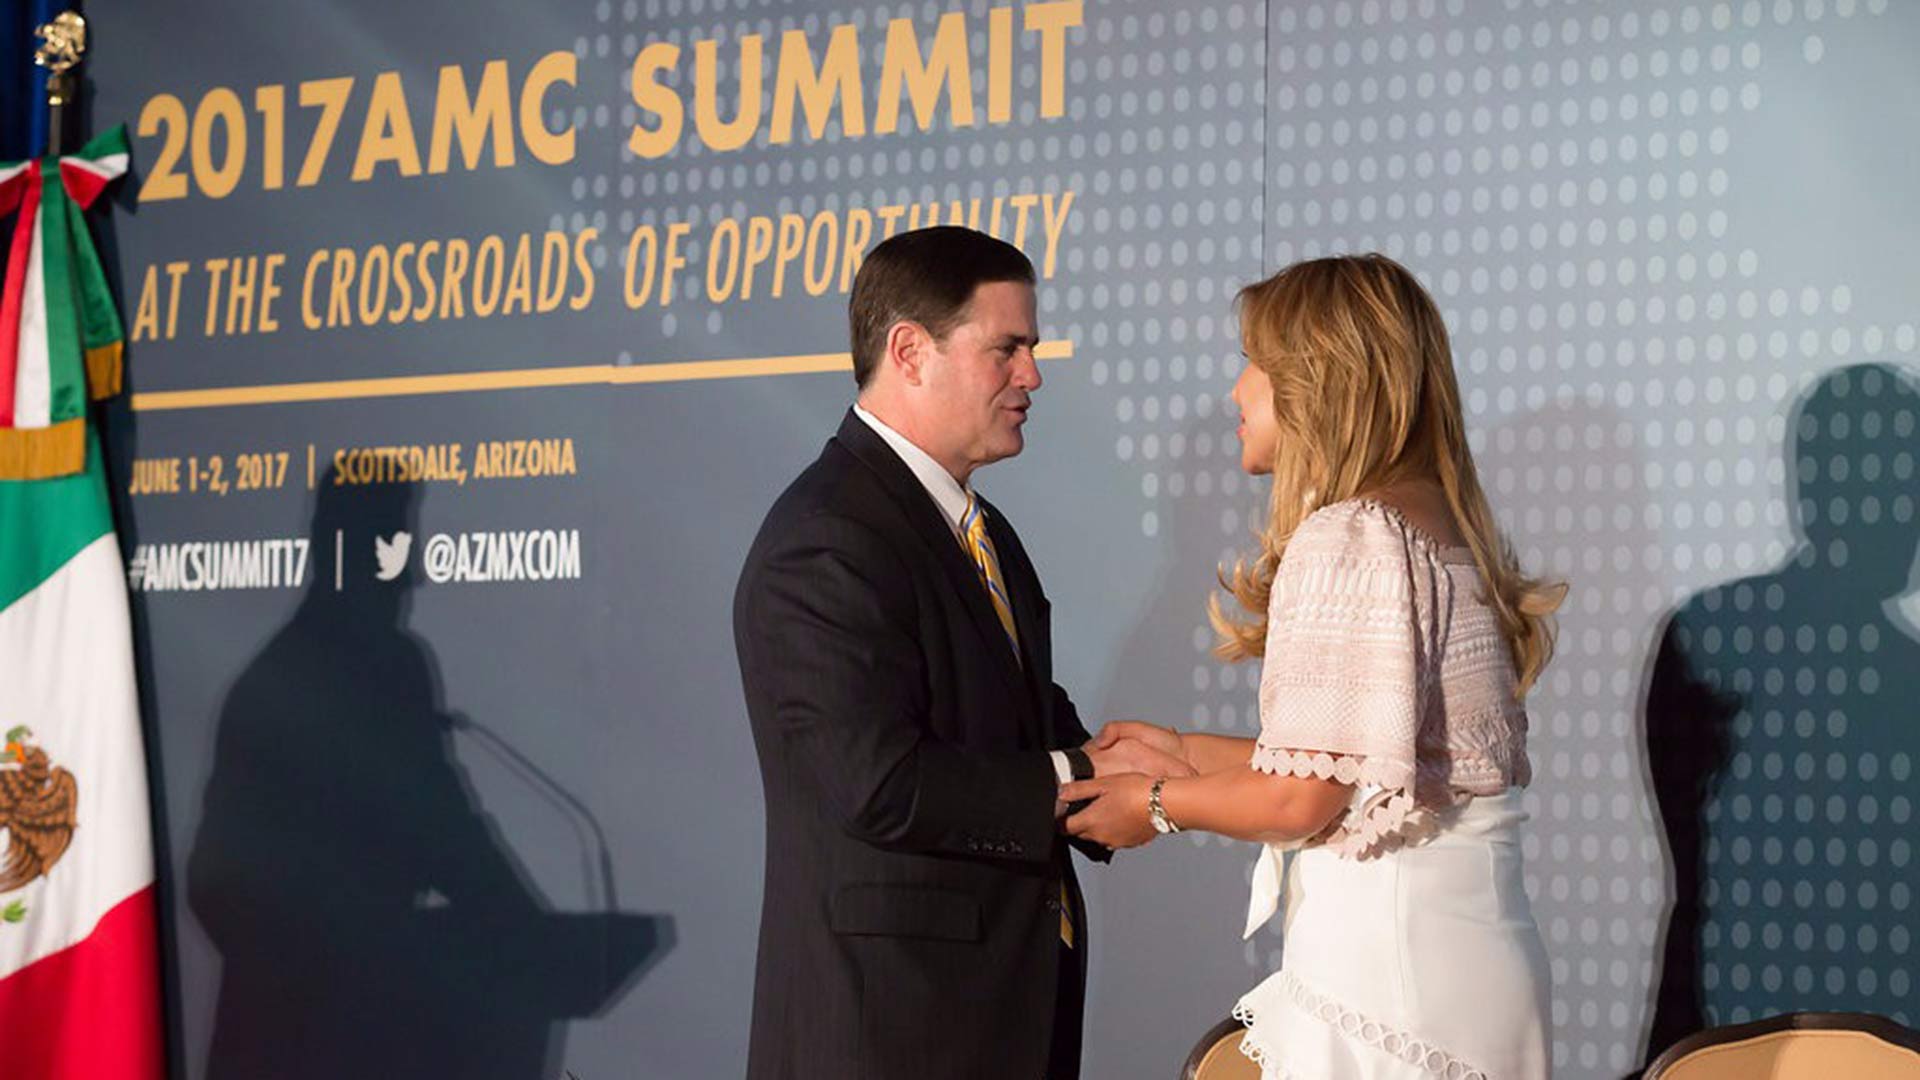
1157, 813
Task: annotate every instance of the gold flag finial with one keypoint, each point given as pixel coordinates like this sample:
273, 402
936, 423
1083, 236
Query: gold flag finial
63, 41
65, 38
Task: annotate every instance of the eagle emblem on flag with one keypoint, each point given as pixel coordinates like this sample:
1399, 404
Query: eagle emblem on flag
38, 803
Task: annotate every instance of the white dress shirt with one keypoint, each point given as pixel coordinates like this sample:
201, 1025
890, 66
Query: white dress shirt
951, 498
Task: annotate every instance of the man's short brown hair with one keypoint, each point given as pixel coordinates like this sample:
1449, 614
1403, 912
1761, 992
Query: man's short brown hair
926, 276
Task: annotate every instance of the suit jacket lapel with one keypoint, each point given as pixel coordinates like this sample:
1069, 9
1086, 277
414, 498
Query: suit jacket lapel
931, 525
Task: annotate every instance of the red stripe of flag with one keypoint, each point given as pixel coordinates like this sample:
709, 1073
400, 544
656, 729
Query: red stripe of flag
16, 286
83, 184
90, 1011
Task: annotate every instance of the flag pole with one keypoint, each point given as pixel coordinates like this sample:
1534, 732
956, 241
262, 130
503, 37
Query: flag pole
64, 40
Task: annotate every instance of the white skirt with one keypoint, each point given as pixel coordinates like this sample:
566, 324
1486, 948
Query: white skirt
1419, 963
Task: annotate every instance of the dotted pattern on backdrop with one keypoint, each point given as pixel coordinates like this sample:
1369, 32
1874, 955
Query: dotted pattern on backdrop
1141, 125
1796, 686
1560, 176
1162, 142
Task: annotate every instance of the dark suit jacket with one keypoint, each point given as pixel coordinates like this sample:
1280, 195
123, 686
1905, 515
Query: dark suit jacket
911, 922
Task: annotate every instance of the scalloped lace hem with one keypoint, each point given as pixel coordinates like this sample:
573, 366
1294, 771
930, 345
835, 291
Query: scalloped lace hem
1346, 768
1394, 818
1351, 1024
1257, 1052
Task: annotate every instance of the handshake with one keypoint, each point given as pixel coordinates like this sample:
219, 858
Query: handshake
1128, 756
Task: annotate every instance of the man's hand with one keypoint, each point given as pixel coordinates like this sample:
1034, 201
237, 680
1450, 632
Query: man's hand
1127, 755
1165, 740
1117, 817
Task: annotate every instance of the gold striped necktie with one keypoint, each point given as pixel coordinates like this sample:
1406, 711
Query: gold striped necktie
973, 532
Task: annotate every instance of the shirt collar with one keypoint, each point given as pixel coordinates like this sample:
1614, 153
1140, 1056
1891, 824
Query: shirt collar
947, 493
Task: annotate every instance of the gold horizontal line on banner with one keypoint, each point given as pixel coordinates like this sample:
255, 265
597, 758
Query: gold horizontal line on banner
522, 379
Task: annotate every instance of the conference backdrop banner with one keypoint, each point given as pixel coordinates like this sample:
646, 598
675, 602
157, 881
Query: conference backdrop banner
468, 345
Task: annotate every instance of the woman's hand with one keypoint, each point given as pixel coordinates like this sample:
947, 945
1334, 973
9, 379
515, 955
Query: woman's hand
1117, 817
1165, 740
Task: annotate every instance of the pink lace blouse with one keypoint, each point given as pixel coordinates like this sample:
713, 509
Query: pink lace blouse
1385, 668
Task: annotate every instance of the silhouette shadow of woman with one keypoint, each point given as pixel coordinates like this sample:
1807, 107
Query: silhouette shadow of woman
1781, 737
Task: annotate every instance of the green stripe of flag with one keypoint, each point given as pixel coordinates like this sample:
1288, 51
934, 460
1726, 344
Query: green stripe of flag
44, 523
67, 375
99, 321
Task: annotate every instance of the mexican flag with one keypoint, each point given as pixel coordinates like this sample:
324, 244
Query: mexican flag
60, 337
79, 953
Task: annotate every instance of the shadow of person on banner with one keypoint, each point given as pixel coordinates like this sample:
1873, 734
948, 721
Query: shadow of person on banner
370, 920
1781, 737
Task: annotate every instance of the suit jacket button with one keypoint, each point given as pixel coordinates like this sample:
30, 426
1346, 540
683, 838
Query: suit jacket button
1053, 902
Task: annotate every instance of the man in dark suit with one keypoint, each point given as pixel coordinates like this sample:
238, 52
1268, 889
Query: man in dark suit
921, 919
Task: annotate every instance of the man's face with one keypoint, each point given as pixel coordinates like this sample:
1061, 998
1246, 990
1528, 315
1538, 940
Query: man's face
976, 384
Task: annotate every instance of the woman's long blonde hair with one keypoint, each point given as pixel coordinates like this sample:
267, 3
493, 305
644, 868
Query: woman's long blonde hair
1365, 396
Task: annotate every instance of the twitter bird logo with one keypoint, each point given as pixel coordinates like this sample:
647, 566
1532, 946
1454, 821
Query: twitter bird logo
391, 554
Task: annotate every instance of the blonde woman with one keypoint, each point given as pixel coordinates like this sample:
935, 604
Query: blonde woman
1397, 638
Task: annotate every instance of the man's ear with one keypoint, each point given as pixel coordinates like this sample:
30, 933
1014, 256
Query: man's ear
908, 347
